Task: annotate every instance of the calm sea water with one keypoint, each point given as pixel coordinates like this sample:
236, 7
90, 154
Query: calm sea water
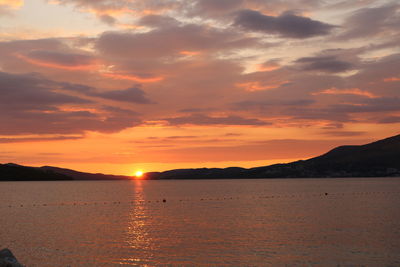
282, 222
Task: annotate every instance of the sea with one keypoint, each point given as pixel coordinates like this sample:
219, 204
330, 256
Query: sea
243, 222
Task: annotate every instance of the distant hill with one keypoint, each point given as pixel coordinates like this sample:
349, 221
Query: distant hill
15, 172
377, 159
84, 175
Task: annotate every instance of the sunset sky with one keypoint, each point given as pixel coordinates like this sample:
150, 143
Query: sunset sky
117, 86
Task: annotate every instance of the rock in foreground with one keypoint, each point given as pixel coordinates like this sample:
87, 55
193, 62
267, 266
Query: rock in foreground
7, 259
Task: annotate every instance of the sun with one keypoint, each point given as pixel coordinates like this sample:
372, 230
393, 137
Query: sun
138, 174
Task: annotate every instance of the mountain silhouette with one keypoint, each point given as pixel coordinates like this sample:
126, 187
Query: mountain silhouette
15, 172
377, 159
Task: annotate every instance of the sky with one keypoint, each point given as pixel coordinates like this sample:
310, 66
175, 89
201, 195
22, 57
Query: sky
119, 86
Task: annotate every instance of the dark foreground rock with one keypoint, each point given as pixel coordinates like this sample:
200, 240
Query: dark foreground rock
7, 259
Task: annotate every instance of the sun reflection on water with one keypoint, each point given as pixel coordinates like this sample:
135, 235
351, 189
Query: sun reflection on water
138, 237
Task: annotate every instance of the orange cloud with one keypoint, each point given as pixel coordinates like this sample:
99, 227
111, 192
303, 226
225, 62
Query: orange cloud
391, 79
267, 67
189, 53
257, 86
14, 4
118, 9
134, 78
350, 91
42, 63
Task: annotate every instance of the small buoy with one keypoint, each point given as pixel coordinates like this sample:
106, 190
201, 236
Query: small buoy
326, 194
164, 200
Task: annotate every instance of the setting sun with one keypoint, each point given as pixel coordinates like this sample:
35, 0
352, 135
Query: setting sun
138, 174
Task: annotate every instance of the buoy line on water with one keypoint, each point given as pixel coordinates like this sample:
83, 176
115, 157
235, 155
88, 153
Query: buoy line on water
164, 200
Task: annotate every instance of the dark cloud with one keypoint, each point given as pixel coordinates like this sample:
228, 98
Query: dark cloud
324, 63
344, 133
212, 7
221, 10
120, 111
195, 110
314, 113
104, 6
158, 21
378, 104
163, 140
39, 139
390, 119
371, 21
345, 112
176, 137
31, 104
107, 19
286, 25
27, 45
264, 105
32, 92
9, 50
373, 74
174, 40
50, 56
233, 134
200, 119
131, 95
334, 125
61, 58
